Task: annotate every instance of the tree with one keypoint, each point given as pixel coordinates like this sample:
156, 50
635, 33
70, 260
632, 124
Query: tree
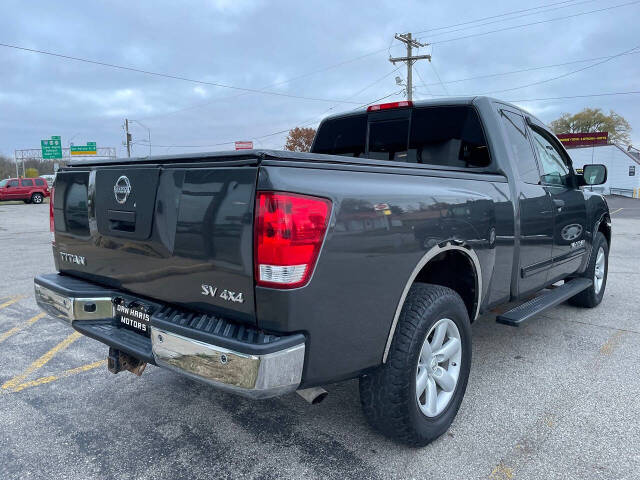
31, 173
7, 168
594, 120
300, 139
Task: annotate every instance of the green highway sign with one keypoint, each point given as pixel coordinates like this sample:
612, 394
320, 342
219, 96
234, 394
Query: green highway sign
51, 148
89, 149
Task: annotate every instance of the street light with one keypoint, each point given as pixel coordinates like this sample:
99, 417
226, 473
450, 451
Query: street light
148, 132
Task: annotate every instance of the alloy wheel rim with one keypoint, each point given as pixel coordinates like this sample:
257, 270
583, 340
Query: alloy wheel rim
598, 275
438, 367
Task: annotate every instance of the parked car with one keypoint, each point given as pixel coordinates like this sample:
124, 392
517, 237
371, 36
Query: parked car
263, 272
30, 190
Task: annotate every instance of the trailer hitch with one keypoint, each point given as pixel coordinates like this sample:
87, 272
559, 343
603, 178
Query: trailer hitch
117, 361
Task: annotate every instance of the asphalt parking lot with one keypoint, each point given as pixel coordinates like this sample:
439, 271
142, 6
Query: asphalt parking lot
556, 398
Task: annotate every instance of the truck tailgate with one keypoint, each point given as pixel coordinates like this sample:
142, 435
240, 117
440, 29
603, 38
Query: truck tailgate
176, 233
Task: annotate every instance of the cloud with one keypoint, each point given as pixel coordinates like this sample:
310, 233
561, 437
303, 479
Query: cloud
309, 49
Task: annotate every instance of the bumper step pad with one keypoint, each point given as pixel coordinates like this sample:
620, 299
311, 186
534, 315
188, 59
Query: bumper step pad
213, 329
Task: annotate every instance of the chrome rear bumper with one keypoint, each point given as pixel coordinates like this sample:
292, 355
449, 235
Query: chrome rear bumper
252, 374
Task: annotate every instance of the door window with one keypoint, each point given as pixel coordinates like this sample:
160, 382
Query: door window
554, 169
520, 147
27, 183
39, 182
13, 183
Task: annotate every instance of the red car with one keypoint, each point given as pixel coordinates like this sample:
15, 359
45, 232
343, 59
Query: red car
30, 190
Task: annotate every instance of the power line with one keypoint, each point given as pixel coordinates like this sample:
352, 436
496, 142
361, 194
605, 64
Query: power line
167, 75
564, 74
513, 27
303, 124
252, 90
424, 83
288, 80
567, 4
632, 92
547, 80
496, 16
439, 79
530, 69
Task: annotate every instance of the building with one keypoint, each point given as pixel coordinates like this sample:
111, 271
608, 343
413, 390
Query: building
623, 168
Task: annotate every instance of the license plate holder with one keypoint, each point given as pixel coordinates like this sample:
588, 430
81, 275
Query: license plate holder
133, 315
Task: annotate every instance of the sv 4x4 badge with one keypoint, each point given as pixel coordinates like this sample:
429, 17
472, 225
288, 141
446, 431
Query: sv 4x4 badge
228, 295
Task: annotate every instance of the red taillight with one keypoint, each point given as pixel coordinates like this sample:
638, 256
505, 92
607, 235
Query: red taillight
388, 106
51, 222
289, 230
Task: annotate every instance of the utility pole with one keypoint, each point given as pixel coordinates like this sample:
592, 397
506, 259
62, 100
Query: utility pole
128, 136
409, 59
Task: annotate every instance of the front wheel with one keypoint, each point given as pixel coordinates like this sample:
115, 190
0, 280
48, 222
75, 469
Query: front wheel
597, 270
416, 394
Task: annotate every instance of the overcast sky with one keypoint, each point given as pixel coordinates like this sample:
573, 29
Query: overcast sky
336, 48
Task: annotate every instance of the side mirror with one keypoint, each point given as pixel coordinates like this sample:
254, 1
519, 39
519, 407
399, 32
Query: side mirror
594, 174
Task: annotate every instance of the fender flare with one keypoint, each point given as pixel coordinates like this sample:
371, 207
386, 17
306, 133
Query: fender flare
426, 258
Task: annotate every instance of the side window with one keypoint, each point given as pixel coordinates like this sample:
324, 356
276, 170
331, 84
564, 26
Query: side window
27, 183
554, 170
13, 183
39, 182
449, 137
520, 147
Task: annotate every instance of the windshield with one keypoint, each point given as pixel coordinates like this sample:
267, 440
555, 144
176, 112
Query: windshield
3, 183
449, 136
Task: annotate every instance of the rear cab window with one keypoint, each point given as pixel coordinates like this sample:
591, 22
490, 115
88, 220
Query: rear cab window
445, 136
520, 146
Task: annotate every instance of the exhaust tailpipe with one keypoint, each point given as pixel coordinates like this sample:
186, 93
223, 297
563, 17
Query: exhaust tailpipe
313, 395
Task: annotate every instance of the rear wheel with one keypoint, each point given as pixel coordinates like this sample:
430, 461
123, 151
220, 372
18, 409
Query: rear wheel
37, 198
416, 394
596, 270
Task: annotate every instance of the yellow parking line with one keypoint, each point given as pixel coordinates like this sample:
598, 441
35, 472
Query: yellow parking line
11, 302
39, 363
16, 329
53, 378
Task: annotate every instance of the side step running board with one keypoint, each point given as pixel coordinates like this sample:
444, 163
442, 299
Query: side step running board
525, 311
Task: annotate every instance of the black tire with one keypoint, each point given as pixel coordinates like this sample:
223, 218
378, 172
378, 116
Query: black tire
388, 394
37, 198
589, 298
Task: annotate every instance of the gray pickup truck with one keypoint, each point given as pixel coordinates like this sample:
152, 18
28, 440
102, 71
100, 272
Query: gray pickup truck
265, 272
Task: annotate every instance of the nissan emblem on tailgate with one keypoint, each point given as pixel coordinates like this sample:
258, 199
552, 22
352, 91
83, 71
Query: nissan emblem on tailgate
122, 189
